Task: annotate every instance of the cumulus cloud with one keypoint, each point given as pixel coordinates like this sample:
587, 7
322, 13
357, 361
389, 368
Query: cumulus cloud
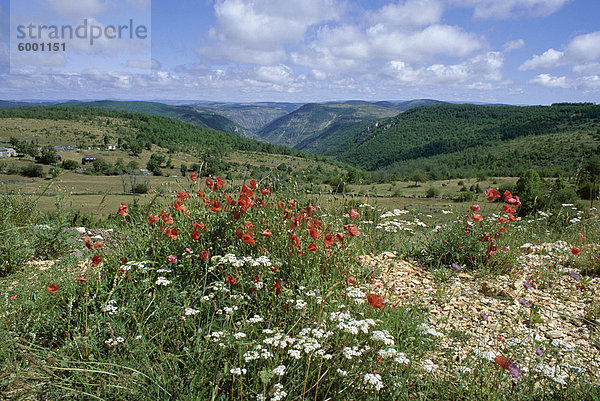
550, 81
513, 45
248, 31
582, 53
410, 13
501, 9
549, 59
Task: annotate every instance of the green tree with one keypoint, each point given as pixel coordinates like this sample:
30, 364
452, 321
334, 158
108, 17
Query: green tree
183, 169
417, 177
48, 155
530, 189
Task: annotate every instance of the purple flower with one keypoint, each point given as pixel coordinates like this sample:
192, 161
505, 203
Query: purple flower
456, 266
575, 276
539, 351
524, 302
514, 371
484, 315
526, 284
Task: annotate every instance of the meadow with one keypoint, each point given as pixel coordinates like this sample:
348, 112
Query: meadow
234, 290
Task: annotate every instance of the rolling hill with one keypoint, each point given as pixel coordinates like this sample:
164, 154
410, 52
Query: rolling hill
252, 116
188, 114
459, 136
314, 119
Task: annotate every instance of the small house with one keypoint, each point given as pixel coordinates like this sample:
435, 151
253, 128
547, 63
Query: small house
112, 147
87, 159
8, 152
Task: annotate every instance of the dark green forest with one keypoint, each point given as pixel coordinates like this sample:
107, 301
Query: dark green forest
465, 138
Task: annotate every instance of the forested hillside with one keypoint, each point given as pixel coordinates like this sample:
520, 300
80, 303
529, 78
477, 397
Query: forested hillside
468, 137
142, 130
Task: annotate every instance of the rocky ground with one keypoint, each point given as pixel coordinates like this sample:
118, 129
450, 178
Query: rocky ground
544, 317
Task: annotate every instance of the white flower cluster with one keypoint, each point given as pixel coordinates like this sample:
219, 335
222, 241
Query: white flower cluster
191, 311
110, 307
256, 319
278, 393
394, 213
163, 281
279, 370
233, 260
356, 295
140, 265
373, 380
238, 371
114, 342
354, 351
383, 336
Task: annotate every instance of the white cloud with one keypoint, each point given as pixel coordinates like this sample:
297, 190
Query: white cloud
486, 67
550, 81
513, 45
501, 9
409, 13
584, 47
549, 59
250, 31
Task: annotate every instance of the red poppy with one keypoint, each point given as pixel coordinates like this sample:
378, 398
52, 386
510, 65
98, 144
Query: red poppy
89, 244
486, 237
248, 225
198, 226
215, 206
376, 301
352, 230
183, 196
340, 237
511, 217
266, 233
507, 195
231, 280
179, 206
249, 238
52, 288
96, 259
575, 251
264, 191
492, 194
171, 233
502, 229
312, 247
219, 183
582, 236
194, 176
477, 217
353, 213
295, 241
351, 281
98, 245
314, 233
166, 217
277, 288
509, 209
81, 279
203, 255
503, 361
475, 208
123, 209
195, 235
209, 183
328, 240
172, 259
253, 184
200, 194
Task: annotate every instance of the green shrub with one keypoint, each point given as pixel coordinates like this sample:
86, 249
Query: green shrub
32, 170
433, 192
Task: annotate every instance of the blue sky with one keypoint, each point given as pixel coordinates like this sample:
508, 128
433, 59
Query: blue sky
504, 51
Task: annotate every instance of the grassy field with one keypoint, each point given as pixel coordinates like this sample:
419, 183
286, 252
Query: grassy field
265, 302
